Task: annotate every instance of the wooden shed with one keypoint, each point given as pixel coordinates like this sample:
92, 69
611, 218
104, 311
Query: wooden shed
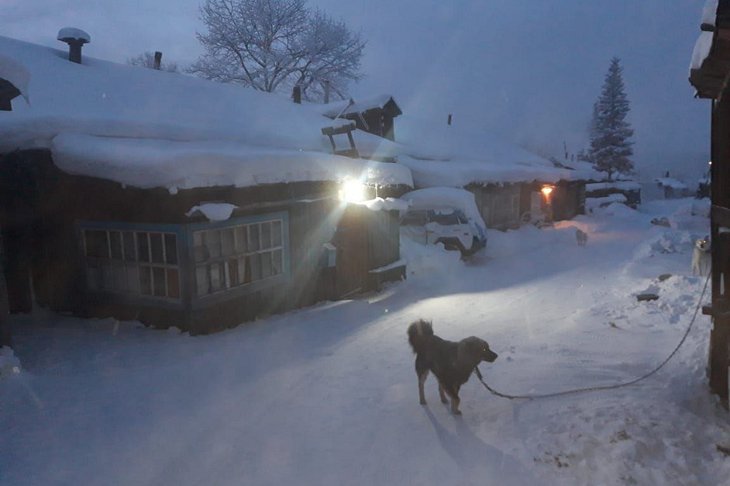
375, 115
96, 248
509, 205
123, 195
498, 204
710, 75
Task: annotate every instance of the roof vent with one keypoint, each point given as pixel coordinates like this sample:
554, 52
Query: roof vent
75, 38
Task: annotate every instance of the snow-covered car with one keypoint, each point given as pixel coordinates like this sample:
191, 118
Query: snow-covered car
448, 226
446, 215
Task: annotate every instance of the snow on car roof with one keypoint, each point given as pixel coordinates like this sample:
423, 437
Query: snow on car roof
445, 197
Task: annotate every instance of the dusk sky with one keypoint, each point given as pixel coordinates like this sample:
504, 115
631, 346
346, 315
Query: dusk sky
528, 71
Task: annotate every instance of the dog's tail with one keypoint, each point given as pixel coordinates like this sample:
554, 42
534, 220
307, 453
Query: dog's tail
419, 333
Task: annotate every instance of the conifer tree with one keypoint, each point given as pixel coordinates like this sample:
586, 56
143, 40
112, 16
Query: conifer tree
611, 144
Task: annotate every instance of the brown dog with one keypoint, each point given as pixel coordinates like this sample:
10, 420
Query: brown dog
451, 362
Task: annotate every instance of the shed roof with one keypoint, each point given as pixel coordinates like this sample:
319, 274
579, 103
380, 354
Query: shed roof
710, 63
350, 107
182, 131
188, 132
456, 156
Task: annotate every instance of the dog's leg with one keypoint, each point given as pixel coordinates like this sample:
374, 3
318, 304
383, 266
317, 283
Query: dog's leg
441, 393
455, 401
453, 393
422, 369
421, 380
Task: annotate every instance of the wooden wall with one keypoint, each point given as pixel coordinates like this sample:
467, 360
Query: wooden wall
40, 207
719, 355
568, 200
499, 205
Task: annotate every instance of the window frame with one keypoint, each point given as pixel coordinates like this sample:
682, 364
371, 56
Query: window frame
227, 290
154, 267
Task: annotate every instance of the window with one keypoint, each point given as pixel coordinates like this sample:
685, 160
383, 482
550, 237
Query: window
445, 219
132, 262
238, 255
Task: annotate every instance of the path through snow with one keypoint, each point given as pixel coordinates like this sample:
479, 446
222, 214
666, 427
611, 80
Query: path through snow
328, 395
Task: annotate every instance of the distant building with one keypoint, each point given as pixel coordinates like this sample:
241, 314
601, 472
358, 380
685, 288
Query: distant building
672, 188
629, 190
375, 115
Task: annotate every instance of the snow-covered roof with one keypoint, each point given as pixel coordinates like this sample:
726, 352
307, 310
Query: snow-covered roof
148, 163
670, 182
703, 45
709, 12
701, 50
150, 128
443, 155
445, 198
619, 185
346, 107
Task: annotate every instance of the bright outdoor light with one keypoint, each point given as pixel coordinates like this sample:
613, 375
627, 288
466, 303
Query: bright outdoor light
546, 191
352, 191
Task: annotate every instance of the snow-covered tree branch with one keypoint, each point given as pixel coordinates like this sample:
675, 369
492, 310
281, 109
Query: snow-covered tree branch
147, 59
273, 45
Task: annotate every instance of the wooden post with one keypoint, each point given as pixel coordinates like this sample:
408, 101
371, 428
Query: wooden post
449, 120
720, 178
158, 60
5, 338
326, 92
296, 94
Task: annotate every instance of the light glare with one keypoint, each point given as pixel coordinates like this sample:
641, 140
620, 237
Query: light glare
352, 191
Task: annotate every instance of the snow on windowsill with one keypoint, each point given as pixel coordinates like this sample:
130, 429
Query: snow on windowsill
213, 211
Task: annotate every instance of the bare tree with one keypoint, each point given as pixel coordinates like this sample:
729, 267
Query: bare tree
272, 45
147, 59
330, 57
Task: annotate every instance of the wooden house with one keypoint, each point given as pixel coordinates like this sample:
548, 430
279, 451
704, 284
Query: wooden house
139, 208
672, 188
507, 181
710, 75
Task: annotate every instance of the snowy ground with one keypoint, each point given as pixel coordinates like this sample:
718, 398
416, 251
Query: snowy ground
328, 395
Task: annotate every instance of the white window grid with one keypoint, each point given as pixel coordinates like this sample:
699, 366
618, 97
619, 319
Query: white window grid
124, 273
238, 255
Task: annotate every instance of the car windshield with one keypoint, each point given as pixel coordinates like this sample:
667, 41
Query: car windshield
446, 218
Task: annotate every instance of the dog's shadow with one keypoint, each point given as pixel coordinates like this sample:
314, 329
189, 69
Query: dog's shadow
478, 460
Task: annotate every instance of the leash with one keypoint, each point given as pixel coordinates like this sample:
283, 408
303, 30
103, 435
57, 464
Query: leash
603, 387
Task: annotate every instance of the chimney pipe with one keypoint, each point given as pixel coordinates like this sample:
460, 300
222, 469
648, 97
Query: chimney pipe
75, 38
158, 60
326, 91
